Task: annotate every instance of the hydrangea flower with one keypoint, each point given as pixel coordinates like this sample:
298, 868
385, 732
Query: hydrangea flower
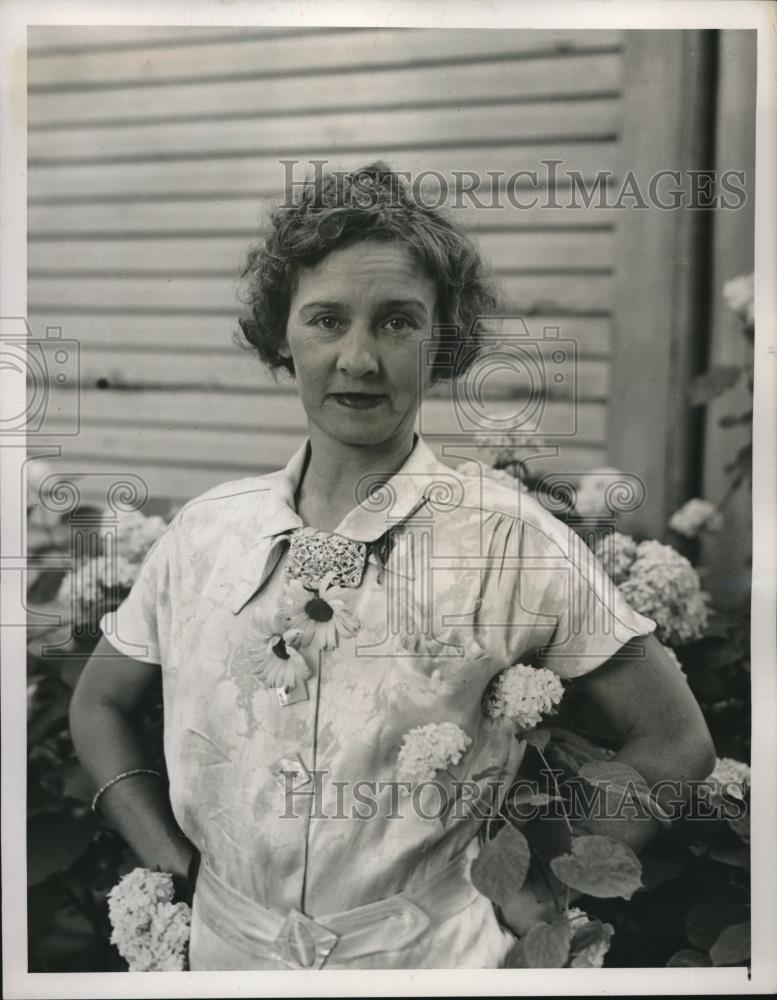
150, 930
430, 748
739, 296
616, 552
523, 694
694, 516
135, 533
117, 571
592, 491
83, 586
663, 585
732, 774
320, 616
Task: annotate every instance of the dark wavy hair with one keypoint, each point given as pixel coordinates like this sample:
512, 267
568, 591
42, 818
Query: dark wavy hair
334, 210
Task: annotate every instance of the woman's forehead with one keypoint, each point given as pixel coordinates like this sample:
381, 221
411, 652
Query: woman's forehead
378, 268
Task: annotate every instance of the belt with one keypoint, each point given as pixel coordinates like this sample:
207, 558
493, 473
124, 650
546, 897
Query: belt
303, 942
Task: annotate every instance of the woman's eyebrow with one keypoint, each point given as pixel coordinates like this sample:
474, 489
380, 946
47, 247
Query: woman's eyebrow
405, 304
320, 305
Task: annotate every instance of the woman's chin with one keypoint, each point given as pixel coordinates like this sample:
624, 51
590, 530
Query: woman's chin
358, 429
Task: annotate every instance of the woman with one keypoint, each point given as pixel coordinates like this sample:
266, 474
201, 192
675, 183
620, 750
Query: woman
310, 623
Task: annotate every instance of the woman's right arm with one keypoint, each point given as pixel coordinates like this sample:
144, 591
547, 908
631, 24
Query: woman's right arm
108, 741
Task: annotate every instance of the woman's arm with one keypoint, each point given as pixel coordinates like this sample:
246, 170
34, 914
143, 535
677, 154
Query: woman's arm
107, 740
644, 705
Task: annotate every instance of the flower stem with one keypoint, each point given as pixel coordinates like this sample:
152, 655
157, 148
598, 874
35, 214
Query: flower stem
558, 791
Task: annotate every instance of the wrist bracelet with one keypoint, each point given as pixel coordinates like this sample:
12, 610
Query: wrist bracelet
120, 777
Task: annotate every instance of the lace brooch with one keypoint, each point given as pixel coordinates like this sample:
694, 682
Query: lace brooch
314, 553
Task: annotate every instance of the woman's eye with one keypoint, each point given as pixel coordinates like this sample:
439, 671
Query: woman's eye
399, 324
328, 322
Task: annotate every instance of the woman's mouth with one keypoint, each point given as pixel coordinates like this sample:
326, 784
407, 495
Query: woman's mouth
358, 400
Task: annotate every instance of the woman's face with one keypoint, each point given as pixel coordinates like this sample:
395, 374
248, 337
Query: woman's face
356, 324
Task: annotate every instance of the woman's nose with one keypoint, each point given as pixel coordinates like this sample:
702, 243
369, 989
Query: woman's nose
357, 356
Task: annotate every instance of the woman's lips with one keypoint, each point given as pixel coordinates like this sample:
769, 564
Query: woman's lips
358, 400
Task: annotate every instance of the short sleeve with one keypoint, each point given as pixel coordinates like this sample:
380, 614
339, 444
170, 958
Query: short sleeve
140, 626
557, 606
592, 618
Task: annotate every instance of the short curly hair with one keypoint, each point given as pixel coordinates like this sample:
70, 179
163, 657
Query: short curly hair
335, 210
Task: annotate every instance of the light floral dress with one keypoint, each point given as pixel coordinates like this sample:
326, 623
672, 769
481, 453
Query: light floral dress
287, 701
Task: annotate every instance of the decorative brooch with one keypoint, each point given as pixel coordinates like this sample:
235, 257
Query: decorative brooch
315, 554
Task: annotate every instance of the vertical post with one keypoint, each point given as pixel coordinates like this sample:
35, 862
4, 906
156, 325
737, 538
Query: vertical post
661, 289
726, 555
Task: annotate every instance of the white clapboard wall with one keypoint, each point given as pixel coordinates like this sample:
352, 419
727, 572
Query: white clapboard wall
154, 156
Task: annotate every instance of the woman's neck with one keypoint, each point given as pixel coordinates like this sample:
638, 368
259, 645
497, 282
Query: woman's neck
330, 486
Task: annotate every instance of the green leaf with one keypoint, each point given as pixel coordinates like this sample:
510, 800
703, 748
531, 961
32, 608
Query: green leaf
732, 947
659, 868
686, 957
526, 797
622, 783
538, 738
713, 383
599, 866
500, 870
590, 943
75, 782
738, 857
571, 751
516, 957
712, 912
546, 946
50, 716
55, 841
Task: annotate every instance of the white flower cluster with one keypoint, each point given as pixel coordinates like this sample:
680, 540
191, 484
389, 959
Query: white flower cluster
524, 694
427, 749
119, 567
739, 296
135, 533
730, 772
663, 585
150, 931
616, 552
694, 516
479, 469
658, 582
592, 491
82, 585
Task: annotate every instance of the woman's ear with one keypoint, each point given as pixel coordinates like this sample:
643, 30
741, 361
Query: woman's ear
283, 349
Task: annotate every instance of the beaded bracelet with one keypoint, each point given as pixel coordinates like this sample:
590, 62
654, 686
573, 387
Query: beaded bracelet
120, 777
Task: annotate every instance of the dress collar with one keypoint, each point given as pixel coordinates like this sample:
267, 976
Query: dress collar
382, 508
387, 507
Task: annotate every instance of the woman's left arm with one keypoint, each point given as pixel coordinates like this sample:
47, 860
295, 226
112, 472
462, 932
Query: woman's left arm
653, 719
644, 702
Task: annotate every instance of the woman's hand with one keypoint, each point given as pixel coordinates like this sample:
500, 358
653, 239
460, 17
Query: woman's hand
108, 695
